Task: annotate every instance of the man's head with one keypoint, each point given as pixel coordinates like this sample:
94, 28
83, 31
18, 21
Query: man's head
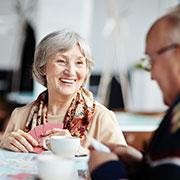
163, 48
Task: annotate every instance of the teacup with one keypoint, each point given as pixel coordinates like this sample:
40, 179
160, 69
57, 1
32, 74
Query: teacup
63, 146
53, 168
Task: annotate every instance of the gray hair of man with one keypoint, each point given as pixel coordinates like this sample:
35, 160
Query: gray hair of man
172, 17
59, 41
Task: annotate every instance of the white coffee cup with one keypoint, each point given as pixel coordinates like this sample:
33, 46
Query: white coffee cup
63, 146
53, 168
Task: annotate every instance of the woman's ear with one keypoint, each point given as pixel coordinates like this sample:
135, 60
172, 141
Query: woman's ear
44, 71
86, 78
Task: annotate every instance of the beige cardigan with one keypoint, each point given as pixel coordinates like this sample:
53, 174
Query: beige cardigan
104, 126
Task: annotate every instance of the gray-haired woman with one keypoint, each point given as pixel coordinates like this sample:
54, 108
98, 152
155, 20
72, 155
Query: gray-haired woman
62, 63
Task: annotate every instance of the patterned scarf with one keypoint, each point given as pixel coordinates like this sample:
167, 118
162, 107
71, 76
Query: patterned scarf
77, 117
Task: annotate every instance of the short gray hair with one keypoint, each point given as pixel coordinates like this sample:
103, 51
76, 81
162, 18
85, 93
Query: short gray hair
172, 17
59, 41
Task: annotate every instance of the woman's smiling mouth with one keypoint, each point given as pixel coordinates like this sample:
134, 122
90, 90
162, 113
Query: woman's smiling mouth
68, 81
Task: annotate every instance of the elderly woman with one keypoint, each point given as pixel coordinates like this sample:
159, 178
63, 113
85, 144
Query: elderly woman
62, 63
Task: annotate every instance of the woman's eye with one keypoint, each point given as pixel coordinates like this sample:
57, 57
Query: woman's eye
61, 61
79, 62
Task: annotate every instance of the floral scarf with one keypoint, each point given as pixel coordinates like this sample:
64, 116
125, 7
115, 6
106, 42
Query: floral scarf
77, 117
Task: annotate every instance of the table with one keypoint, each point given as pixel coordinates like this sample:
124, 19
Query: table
138, 122
138, 127
23, 166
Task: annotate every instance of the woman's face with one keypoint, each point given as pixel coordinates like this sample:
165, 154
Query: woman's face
66, 72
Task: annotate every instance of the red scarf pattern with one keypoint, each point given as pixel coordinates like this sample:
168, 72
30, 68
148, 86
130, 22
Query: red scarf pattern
77, 118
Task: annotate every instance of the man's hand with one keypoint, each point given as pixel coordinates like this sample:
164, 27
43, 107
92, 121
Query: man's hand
127, 154
97, 158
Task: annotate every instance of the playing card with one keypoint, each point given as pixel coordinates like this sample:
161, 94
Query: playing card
38, 131
97, 145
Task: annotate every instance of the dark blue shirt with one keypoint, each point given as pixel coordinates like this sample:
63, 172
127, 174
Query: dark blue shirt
161, 159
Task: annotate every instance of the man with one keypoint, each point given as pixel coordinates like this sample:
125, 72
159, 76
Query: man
161, 160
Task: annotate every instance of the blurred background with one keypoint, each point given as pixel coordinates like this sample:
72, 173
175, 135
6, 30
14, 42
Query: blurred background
115, 30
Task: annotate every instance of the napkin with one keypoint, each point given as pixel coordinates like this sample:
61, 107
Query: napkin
20, 176
98, 145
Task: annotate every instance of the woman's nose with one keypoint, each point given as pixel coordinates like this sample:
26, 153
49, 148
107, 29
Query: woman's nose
70, 69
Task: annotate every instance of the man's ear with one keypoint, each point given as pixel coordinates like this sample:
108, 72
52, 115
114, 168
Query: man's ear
179, 72
178, 63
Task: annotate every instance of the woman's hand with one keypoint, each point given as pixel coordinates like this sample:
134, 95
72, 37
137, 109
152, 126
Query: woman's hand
56, 131
19, 141
53, 132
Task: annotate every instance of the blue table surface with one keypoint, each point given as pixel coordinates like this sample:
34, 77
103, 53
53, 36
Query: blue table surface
138, 122
12, 163
15, 163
